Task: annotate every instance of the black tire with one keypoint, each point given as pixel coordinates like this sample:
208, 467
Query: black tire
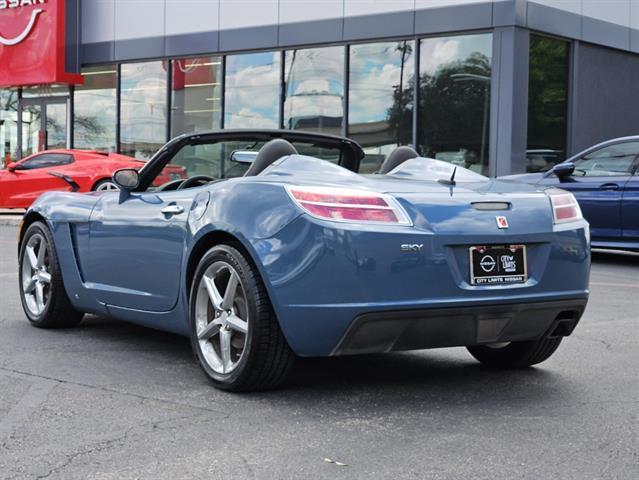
58, 311
516, 354
267, 359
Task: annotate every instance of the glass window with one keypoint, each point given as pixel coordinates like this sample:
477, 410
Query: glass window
45, 91
454, 106
252, 91
56, 125
434, 170
46, 160
380, 102
196, 95
547, 103
94, 110
612, 161
315, 90
143, 108
204, 159
216, 159
8, 126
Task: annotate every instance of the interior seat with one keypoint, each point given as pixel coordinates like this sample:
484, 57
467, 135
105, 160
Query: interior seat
397, 157
269, 153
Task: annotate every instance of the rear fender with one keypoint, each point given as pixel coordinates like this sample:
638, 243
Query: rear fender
246, 215
207, 238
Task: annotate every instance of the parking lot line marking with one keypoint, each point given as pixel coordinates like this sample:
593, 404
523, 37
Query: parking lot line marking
622, 285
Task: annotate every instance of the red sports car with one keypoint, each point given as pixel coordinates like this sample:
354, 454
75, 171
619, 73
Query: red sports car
73, 170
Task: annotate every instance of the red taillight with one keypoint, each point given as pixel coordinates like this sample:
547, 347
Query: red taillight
564, 206
346, 199
343, 205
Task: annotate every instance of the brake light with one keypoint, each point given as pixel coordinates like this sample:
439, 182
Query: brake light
345, 205
564, 206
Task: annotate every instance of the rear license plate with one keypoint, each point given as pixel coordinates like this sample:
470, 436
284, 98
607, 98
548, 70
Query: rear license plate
498, 264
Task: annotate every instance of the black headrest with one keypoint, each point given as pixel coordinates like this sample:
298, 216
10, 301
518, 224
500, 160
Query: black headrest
269, 153
397, 157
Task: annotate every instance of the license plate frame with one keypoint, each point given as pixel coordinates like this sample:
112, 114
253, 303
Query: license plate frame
498, 264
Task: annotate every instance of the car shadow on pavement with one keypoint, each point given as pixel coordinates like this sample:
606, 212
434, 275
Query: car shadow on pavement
615, 257
442, 377
134, 338
427, 370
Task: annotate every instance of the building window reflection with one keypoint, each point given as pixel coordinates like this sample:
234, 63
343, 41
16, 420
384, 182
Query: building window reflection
252, 90
143, 108
547, 103
8, 127
45, 91
380, 105
454, 106
314, 82
196, 95
95, 109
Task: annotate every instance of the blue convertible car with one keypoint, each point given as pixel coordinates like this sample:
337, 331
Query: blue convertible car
275, 247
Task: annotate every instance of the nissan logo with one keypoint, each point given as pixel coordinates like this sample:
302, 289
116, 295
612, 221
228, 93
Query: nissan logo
5, 4
487, 263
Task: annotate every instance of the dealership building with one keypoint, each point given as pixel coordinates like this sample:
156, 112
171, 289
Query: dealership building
497, 86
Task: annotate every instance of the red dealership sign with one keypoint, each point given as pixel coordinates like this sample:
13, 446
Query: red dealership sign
33, 43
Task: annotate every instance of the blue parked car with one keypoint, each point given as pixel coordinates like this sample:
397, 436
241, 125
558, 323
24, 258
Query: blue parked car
302, 256
605, 181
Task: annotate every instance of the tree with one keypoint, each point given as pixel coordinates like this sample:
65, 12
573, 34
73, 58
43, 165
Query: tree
453, 108
400, 114
547, 93
453, 103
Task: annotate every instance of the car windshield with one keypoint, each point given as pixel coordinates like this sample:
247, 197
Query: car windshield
422, 168
227, 159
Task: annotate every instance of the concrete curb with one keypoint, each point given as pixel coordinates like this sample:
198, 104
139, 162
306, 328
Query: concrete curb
11, 220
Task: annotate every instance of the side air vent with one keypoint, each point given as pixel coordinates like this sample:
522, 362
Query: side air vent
491, 206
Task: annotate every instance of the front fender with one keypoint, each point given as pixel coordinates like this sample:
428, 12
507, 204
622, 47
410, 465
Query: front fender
67, 207
67, 216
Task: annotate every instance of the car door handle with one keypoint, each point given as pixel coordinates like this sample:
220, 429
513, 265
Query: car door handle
609, 186
173, 210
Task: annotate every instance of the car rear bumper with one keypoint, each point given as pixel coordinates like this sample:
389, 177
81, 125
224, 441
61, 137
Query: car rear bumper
322, 281
387, 331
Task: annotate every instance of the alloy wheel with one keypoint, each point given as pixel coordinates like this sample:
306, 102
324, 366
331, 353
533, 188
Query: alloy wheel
107, 187
36, 276
221, 317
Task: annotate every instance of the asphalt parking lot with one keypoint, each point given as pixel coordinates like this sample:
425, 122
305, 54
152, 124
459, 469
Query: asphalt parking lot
109, 400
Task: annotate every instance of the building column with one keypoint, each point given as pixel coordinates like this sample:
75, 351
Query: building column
573, 88
509, 101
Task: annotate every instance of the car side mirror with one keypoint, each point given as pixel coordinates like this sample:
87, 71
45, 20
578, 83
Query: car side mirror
127, 179
12, 167
564, 170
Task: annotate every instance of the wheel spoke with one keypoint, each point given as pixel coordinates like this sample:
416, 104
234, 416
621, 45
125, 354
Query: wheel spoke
222, 342
210, 330
231, 288
45, 277
39, 295
237, 324
225, 349
31, 256
214, 294
41, 254
29, 286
